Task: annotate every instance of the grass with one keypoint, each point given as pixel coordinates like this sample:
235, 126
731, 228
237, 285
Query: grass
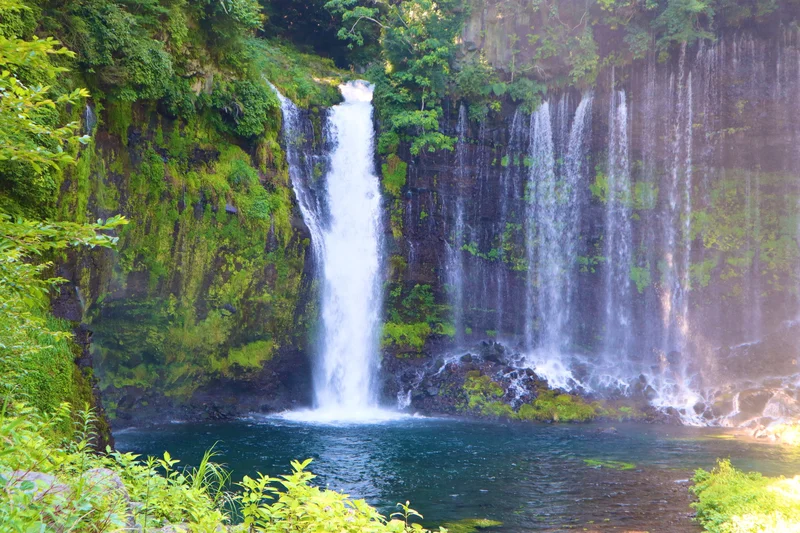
732, 501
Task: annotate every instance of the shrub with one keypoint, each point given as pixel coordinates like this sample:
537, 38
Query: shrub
732, 501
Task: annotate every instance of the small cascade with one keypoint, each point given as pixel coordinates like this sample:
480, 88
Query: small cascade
673, 382
455, 257
542, 238
576, 170
347, 243
301, 173
510, 188
89, 119
618, 237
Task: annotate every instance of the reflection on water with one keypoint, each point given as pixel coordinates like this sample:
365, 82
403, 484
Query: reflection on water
531, 477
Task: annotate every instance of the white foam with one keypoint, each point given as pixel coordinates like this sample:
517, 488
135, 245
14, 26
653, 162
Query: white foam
337, 417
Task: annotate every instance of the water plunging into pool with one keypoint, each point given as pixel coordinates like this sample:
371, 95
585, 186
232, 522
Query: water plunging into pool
348, 248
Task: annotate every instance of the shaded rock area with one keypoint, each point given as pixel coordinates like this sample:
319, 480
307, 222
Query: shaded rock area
494, 372
284, 385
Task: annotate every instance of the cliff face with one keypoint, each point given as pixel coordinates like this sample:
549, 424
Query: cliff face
202, 309
653, 239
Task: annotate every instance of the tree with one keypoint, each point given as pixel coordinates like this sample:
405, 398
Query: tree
418, 45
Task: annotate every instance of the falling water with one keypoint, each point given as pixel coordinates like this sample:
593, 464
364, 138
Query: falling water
618, 235
542, 235
509, 189
300, 175
349, 249
576, 163
89, 119
455, 256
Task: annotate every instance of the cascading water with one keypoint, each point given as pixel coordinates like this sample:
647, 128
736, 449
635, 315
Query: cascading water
510, 188
348, 248
542, 236
455, 256
618, 238
553, 233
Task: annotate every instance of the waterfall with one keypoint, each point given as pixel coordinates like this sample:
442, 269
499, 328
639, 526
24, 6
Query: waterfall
576, 162
509, 189
542, 234
347, 245
301, 173
89, 119
617, 236
455, 257
552, 235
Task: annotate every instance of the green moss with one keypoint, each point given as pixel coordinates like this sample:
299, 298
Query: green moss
613, 465
731, 500
483, 396
394, 175
641, 277
555, 407
470, 525
119, 117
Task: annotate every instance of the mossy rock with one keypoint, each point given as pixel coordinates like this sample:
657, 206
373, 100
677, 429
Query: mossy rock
470, 525
612, 465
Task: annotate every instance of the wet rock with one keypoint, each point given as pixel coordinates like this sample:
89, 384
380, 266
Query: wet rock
432, 391
107, 481
699, 408
44, 484
674, 358
649, 392
752, 402
466, 358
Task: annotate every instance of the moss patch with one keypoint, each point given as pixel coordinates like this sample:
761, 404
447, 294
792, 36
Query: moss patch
470, 525
613, 465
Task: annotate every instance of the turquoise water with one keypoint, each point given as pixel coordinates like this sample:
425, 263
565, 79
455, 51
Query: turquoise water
531, 477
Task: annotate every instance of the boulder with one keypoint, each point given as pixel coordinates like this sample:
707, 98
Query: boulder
44, 484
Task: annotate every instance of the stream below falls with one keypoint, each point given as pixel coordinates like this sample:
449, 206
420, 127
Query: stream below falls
531, 477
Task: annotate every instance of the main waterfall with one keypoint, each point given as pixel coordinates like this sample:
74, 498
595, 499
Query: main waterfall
346, 229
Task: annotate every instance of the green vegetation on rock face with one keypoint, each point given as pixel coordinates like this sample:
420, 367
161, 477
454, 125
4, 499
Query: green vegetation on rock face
412, 317
209, 271
729, 500
485, 397
37, 351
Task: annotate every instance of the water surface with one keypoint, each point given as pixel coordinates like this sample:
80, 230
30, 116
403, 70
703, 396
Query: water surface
531, 477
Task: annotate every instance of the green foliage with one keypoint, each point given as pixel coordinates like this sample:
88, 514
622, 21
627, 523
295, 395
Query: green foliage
245, 107
417, 48
35, 141
412, 317
290, 504
36, 351
684, 21
729, 500
394, 175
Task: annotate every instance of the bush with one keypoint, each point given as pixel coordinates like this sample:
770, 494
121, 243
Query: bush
62, 485
731, 501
